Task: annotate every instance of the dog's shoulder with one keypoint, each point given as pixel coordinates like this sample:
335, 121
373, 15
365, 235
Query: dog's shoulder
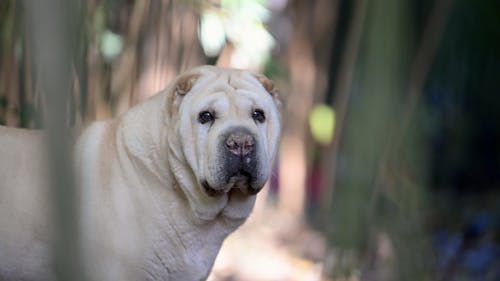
93, 143
20, 147
10, 134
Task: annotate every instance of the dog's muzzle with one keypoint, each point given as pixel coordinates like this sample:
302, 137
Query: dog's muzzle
238, 150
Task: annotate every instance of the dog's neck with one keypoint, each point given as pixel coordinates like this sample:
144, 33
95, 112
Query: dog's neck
141, 136
159, 176
164, 173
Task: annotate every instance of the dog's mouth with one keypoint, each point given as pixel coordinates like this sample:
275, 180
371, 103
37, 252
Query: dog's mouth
210, 191
242, 180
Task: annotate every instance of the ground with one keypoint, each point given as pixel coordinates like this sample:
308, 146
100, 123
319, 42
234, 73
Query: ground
271, 246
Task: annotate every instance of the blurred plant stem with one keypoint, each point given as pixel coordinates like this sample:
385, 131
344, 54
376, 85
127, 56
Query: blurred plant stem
293, 160
308, 56
342, 94
370, 127
50, 25
403, 156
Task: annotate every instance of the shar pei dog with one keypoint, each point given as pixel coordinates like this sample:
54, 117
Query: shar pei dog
159, 187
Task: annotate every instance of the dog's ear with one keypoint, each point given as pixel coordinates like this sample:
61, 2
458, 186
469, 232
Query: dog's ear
182, 85
268, 85
185, 83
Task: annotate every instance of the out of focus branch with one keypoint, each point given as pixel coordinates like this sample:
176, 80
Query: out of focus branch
49, 26
419, 71
342, 93
423, 60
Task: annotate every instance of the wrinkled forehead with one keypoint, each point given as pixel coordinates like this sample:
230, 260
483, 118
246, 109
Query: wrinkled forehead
234, 86
222, 79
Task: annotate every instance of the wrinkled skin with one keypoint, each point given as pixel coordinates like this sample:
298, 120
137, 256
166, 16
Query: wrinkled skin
160, 187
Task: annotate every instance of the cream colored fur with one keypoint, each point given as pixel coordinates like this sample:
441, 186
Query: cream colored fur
143, 213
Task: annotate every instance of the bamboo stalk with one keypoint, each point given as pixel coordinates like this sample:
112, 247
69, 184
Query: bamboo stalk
50, 28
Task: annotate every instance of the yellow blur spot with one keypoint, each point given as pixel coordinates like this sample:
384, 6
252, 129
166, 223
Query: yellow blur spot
322, 123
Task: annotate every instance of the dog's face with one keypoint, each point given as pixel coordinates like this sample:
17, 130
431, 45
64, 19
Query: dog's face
228, 123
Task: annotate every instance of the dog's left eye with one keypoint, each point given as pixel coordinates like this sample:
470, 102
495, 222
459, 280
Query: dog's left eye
258, 115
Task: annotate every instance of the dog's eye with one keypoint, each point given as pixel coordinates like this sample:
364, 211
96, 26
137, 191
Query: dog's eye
205, 117
259, 116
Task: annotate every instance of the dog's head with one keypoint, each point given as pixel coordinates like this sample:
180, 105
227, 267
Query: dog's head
227, 123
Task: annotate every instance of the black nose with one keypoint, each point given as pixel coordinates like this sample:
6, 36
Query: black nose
240, 143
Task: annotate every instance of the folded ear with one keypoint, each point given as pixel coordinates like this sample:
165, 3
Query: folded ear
182, 85
185, 83
268, 85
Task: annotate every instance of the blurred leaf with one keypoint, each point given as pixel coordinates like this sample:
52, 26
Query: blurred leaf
212, 34
322, 123
111, 45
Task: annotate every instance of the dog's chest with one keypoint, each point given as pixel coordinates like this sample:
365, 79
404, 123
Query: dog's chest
182, 254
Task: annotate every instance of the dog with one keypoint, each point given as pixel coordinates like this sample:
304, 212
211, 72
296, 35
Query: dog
159, 187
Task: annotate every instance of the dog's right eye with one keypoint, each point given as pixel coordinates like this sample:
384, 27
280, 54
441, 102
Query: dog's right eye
205, 117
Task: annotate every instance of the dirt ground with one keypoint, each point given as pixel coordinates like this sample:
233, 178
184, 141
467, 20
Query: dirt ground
271, 246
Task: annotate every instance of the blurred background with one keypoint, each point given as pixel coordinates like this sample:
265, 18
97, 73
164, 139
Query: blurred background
389, 167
